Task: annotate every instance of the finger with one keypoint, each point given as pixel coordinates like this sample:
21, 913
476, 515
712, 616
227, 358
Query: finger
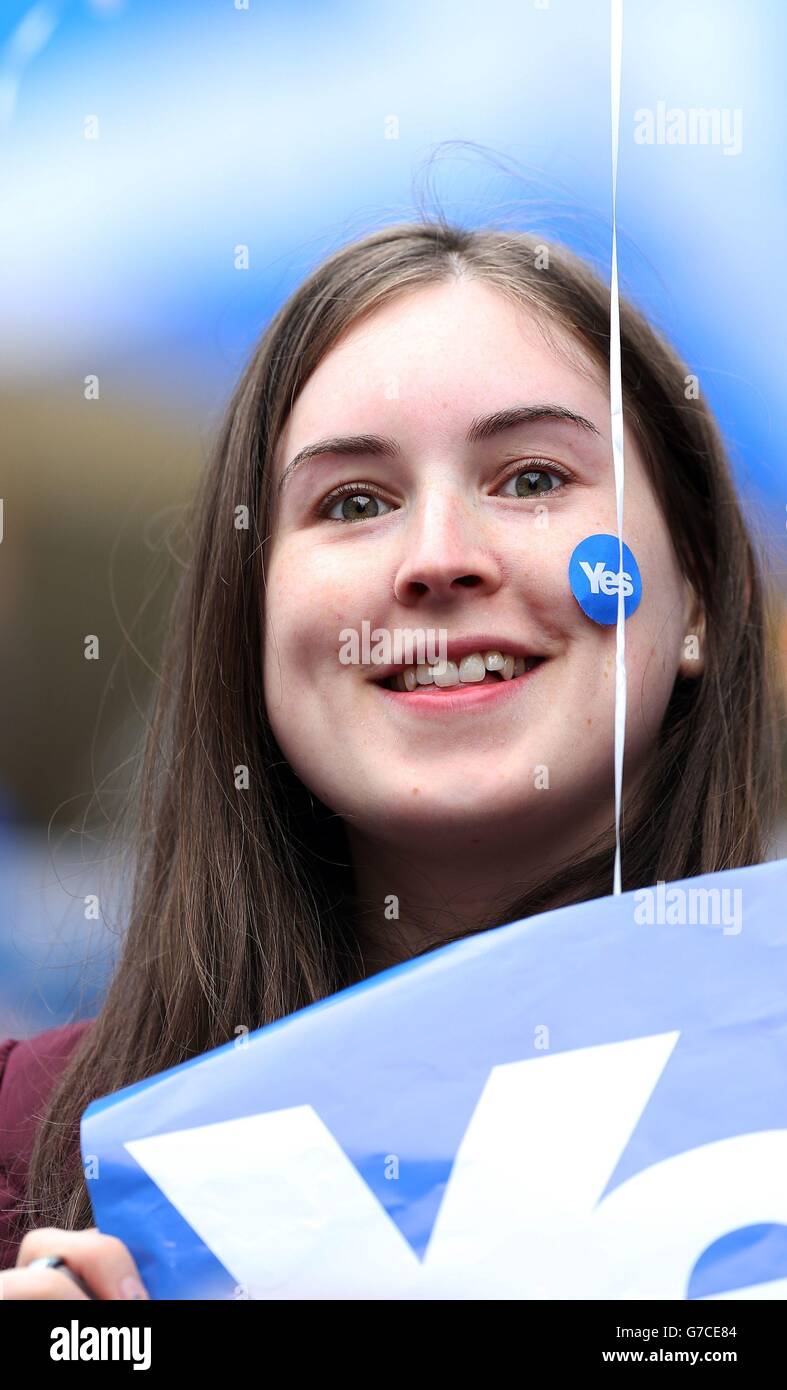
103, 1261
38, 1283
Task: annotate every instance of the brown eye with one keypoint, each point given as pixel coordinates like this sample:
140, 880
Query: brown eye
356, 506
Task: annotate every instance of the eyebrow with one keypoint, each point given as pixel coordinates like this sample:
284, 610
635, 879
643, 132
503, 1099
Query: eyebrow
482, 428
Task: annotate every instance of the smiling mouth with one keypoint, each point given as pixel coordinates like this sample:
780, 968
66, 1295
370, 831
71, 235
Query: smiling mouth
471, 673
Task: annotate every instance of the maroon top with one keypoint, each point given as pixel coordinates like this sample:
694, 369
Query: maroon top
29, 1071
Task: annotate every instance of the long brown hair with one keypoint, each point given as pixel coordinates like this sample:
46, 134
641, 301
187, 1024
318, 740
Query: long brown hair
243, 907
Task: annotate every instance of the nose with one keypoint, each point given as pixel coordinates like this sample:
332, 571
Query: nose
446, 550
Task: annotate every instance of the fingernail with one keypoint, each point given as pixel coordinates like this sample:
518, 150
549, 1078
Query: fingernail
130, 1287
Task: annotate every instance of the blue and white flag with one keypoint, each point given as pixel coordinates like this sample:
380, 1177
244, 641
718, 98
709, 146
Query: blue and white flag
591, 1103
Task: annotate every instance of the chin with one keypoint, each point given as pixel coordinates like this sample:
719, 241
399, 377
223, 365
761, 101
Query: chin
411, 808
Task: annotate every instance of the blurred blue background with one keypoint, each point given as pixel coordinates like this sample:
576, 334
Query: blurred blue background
291, 129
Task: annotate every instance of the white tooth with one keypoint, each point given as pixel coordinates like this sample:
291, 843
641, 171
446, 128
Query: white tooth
424, 675
508, 668
519, 666
471, 668
409, 678
493, 661
446, 673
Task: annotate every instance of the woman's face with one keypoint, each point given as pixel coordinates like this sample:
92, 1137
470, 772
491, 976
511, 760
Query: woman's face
458, 526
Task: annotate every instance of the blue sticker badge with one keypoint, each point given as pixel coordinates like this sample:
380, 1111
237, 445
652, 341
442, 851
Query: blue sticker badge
593, 576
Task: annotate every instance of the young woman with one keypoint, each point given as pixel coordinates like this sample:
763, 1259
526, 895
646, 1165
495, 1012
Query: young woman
420, 440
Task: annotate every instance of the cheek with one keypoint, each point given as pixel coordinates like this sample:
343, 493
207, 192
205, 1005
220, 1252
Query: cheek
652, 658
309, 596
654, 636
282, 634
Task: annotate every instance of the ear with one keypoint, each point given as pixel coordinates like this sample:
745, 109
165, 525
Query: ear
692, 661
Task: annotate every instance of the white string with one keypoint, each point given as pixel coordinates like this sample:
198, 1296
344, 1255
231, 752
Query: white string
616, 423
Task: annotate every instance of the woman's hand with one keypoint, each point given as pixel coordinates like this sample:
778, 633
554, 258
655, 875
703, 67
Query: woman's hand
104, 1263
